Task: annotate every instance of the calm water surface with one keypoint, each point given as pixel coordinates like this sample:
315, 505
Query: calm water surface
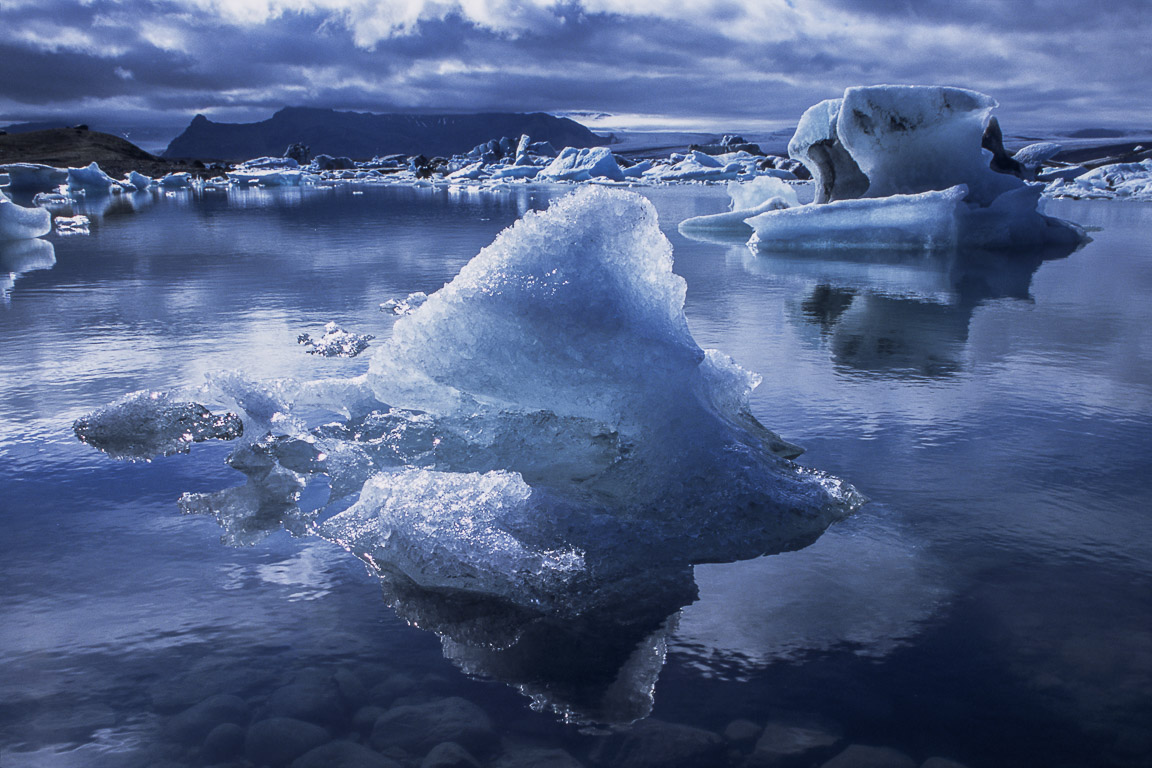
992, 605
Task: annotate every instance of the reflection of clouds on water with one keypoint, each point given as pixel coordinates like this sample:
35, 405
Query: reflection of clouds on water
862, 586
18, 257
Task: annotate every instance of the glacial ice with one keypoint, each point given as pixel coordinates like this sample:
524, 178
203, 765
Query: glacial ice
406, 305
581, 165
33, 177
1118, 181
72, 225
886, 158
139, 181
91, 180
533, 462
336, 342
144, 425
750, 198
696, 166
1035, 155
20, 223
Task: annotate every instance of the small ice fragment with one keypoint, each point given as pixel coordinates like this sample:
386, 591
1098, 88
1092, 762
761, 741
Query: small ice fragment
336, 342
144, 425
72, 225
406, 305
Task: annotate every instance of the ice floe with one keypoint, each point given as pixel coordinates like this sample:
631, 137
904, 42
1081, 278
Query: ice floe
904, 166
336, 342
1119, 181
72, 225
761, 194
20, 223
145, 425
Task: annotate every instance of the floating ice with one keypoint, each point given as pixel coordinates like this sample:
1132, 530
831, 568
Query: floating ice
535, 459
405, 306
144, 425
696, 166
139, 181
20, 223
91, 180
33, 177
750, 198
1035, 155
176, 181
911, 152
72, 225
1122, 181
336, 342
581, 165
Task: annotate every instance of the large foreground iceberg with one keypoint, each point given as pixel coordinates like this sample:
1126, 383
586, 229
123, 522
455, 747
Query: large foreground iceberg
535, 459
905, 166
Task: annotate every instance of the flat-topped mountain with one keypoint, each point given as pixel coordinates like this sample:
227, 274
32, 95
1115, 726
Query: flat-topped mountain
362, 135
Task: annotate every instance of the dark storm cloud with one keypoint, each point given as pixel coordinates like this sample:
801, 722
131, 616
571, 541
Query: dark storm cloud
753, 60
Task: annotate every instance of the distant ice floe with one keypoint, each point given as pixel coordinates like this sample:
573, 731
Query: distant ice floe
336, 342
1119, 181
905, 167
764, 193
541, 439
90, 180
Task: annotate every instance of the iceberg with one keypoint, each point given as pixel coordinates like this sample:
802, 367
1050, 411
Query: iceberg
91, 180
696, 166
139, 181
33, 177
20, 223
534, 460
885, 158
1120, 181
749, 199
144, 425
581, 165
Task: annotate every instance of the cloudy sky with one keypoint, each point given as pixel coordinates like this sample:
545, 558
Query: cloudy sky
710, 64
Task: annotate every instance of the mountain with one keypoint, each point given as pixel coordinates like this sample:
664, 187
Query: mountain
362, 135
73, 148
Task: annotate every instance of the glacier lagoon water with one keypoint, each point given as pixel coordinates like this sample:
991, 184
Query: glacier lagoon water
990, 605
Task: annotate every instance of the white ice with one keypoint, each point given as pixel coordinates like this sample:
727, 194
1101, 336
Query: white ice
33, 177
1120, 181
581, 165
91, 180
750, 198
20, 223
902, 166
560, 359
139, 181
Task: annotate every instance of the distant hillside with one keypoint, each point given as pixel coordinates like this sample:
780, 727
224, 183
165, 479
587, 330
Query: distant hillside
362, 135
73, 148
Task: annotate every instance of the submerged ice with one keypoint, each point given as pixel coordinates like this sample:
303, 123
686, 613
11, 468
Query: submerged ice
144, 425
